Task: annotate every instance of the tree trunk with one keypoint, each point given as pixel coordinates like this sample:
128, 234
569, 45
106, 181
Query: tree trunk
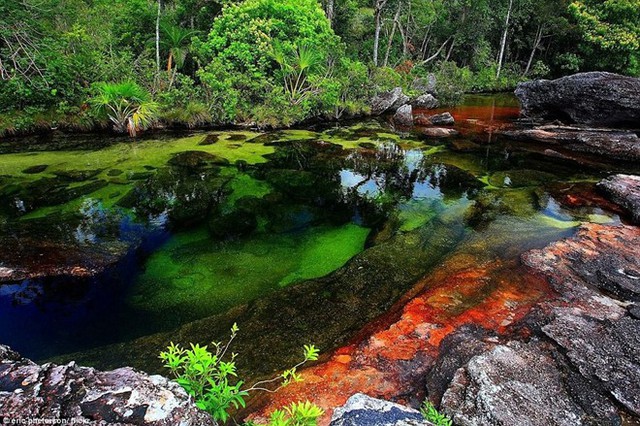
536, 44
453, 42
329, 11
379, 5
393, 32
503, 43
158, 36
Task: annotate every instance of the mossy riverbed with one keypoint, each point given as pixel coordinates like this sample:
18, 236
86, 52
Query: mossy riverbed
299, 235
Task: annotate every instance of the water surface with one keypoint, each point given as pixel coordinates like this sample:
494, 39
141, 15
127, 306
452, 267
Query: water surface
299, 235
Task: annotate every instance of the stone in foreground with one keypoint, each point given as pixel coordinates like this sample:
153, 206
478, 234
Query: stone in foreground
624, 190
593, 98
84, 395
518, 384
362, 410
404, 116
597, 273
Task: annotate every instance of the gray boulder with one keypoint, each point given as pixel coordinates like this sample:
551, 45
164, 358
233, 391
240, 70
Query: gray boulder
84, 395
426, 84
388, 101
520, 384
615, 144
607, 350
426, 101
404, 116
594, 98
444, 119
362, 410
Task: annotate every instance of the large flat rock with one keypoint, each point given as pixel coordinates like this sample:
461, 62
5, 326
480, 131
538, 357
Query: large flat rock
519, 384
597, 274
613, 144
593, 98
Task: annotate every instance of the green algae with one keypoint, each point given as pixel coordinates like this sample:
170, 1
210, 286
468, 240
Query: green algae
192, 276
120, 166
134, 156
417, 213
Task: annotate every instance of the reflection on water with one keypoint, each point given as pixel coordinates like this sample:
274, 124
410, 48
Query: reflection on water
184, 230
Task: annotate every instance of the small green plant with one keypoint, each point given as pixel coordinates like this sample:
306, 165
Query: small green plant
214, 384
296, 414
432, 415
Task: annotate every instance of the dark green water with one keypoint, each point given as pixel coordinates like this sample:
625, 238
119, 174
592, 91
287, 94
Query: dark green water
300, 236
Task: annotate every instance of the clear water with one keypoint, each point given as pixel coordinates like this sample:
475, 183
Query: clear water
300, 235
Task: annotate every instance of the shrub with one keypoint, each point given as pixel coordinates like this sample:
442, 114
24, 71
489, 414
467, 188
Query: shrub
128, 106
245, 35
213, 381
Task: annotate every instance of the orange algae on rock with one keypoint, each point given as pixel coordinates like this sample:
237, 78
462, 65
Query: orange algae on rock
390, 358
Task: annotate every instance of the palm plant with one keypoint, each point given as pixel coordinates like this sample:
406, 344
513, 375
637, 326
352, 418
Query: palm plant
177, 42
296, 65
127, 105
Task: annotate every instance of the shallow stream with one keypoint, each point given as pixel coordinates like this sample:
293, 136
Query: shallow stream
301, 236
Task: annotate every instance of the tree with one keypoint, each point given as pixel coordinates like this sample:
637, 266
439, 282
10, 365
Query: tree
177, 42
503, 43
378, 10
243, 38
612, 29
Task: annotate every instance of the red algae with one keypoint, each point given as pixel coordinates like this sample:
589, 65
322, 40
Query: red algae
388, 361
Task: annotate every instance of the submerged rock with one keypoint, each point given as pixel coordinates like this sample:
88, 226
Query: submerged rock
196, 159
437, 132
362, 410
87, 396
388, 102
625, 191
594, 98
209, 140
404, 116
35, 169
33, 251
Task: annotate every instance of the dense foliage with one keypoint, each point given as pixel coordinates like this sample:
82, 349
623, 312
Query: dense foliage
277, 62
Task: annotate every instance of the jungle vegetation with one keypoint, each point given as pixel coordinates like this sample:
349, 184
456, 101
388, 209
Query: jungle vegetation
129, 64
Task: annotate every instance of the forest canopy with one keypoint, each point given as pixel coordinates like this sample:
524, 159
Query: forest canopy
278, 62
